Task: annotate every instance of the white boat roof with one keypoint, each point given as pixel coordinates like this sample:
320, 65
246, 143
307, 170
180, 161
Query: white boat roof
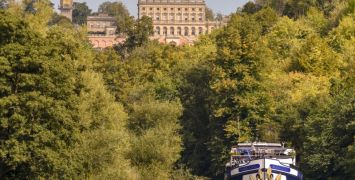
260, 144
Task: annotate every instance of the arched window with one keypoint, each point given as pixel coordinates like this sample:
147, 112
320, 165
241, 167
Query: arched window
186, 31
193, 31
165, 30
172, 30
179, 31
157, 30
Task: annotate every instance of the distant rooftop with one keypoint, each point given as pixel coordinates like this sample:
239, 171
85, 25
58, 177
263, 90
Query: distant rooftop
171, 2
101, 17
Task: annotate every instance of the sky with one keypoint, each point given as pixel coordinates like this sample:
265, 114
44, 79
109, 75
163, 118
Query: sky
219, 6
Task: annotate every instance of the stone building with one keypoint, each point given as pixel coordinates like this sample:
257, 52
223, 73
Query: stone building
102, 31
177, 21
66, 8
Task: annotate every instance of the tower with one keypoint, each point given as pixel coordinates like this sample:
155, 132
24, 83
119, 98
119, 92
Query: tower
66, 8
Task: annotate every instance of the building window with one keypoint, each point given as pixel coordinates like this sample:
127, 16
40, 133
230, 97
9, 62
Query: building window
165, 30
186, 16
172, 30
151, 9
201, 9
193, 9
179, 31
157, 16
179, 9
172, 16
143, 9
178, 17
165, 16
186, 31
186, 9
193, 31
164, 9
193, 19
157, 30
172, 9
158, 9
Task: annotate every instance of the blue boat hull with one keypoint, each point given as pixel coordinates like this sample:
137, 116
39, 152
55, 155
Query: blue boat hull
263, 169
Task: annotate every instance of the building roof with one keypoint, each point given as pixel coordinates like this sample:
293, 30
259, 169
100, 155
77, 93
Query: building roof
189, 2
101, 17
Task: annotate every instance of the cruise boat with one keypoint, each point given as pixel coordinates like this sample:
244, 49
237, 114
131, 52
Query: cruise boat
262, 161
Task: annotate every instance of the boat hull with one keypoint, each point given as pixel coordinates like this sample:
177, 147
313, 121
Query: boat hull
263, 169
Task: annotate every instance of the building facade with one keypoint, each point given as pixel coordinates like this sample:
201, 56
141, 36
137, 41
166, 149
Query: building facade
66, 8
177, 21
102, 31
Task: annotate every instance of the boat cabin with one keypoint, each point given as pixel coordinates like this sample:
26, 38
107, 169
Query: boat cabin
246, 152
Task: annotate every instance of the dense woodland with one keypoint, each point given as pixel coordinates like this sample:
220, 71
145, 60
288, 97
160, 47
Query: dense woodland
280, 71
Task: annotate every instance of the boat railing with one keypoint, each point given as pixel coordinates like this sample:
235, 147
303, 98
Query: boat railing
236, 160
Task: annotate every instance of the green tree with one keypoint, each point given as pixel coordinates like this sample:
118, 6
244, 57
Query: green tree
317, 20
219, 17
38, 94
250, 8
145, 86
342, 40
119, 11
113, 8
277, 5
237, 105
195, 97
316, 57
38, 13
57, 118
80, 13
61, 21
105, 141
210, 16
330, 136
157, 146
137, 35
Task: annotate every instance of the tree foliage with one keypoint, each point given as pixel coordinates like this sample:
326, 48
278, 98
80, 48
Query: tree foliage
138, 34
80, 13
119, 11
56, 120
210, 16
38, 121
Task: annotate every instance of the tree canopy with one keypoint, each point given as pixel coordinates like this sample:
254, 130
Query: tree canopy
119, 11
80, 13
